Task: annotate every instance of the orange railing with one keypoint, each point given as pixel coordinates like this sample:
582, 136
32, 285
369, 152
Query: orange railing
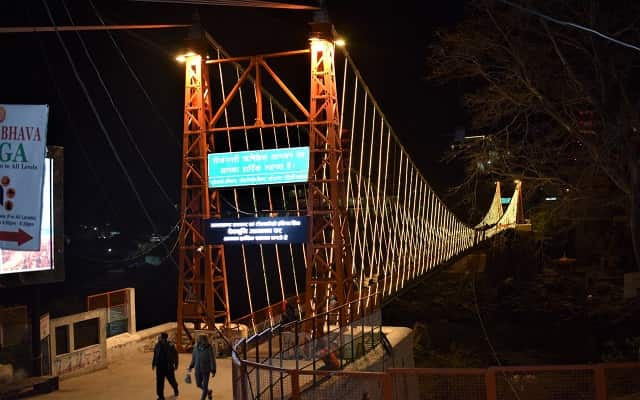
269, 316
326, 341
563, 382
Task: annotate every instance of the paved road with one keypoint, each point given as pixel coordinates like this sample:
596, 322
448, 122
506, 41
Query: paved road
134, 379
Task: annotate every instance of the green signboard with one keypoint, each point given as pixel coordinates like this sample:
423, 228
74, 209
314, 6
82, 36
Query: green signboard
260, 167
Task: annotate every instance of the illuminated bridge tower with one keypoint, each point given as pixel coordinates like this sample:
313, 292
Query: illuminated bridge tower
202, 283
328, 251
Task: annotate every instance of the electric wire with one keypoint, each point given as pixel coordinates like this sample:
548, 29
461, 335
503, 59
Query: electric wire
69, 118
486, 335
569, 24
99, 120
136, 78
233, 206
117, 110
106, 134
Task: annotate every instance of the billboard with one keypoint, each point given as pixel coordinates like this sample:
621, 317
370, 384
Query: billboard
259, 167
23, 138
42, 259
257, 230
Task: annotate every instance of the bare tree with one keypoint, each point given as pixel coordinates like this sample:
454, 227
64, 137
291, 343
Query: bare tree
557, 106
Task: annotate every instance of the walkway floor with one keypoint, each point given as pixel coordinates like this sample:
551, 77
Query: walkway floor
134, 379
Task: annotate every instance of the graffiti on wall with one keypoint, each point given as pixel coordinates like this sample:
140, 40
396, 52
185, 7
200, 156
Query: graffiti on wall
87, 358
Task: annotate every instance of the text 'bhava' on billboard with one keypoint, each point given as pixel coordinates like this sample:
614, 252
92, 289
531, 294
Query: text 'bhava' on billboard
258, 230
258, 167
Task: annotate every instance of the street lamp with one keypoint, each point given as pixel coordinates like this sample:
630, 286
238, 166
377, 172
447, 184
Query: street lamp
183, 57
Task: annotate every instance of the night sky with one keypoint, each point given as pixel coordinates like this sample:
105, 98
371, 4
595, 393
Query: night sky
388, 43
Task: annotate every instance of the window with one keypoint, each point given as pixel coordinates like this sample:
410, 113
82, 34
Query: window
62, 339
86, 333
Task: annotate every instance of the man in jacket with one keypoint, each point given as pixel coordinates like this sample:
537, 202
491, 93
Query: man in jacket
203, 359
165, 362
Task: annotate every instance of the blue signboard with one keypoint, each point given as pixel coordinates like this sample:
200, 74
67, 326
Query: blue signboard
260, 167
256, 230
505, 200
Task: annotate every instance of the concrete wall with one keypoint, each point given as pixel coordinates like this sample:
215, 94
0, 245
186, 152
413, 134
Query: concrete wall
401, 339
83, 360
121, 347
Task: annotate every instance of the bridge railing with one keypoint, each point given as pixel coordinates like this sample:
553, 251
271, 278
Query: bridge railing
323, 342
563, 382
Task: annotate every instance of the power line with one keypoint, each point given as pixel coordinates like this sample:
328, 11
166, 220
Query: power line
135, 76
116, 109
569, 24
486, 334
71, 121
103, 128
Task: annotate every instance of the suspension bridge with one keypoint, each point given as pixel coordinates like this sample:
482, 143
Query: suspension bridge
374, 223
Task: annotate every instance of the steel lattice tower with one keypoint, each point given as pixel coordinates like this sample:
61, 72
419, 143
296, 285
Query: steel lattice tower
328, 253
202, 282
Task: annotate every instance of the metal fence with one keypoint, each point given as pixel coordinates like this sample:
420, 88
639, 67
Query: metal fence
270, 316
565, 382
315, 348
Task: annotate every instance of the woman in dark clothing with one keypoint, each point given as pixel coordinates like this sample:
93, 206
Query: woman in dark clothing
203, 359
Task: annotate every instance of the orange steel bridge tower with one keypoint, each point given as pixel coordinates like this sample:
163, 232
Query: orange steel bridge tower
203, 293
329, 260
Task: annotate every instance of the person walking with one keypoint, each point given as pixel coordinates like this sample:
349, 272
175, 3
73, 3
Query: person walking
203, 359
165, 362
